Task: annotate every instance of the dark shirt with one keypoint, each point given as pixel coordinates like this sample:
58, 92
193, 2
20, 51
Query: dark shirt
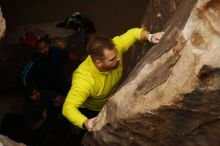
44, 72
33, 111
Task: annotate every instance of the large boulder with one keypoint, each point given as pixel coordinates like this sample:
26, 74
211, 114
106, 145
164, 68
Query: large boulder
172, 96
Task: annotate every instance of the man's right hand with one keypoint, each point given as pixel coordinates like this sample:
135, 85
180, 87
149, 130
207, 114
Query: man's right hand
89, 123
156, 37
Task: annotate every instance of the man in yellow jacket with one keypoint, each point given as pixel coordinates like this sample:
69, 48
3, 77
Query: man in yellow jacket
97, 77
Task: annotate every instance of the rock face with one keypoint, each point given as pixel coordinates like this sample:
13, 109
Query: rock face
157, 14
2, 29
5, 141
2, 24
172, 96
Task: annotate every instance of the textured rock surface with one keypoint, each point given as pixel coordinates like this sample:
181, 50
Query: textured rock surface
5, 141
2, 24
156, 16
2, 30
172, 97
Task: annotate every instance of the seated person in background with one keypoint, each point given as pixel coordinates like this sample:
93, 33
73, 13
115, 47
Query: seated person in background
42, 116
44, 69
35, 115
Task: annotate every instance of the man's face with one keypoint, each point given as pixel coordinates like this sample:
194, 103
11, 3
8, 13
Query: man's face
43, 47
35, 95
111, 60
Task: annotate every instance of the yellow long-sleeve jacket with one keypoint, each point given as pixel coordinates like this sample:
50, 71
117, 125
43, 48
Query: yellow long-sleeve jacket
92, 88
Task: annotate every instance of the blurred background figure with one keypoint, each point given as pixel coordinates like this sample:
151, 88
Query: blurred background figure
43, 70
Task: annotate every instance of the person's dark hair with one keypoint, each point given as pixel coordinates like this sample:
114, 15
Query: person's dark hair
46, 40
96, 46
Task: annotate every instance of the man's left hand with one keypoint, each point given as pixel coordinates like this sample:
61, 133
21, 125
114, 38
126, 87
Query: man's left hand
89, 123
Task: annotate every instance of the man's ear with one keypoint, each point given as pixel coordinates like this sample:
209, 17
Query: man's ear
98, 63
